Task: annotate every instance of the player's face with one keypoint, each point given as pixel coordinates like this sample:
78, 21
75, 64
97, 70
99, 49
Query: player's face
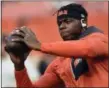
69, 28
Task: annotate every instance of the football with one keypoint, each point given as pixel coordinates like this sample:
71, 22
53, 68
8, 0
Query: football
18, 48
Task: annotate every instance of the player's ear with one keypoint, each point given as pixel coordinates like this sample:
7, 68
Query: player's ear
83, 23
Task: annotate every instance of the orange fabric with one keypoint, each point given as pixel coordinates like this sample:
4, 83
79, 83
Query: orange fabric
60, 69
25, 79
93, 45
48, 80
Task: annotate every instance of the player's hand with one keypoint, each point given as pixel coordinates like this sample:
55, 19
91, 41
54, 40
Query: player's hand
18, 60
28, 37
18, 51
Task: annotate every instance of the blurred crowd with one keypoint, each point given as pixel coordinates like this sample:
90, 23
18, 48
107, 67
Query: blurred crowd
40, 17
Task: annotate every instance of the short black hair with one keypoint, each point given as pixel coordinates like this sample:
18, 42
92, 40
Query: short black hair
76, 9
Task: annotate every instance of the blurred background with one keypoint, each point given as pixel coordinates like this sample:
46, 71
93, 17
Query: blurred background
39, 17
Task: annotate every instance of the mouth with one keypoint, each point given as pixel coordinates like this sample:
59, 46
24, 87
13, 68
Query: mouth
65, 36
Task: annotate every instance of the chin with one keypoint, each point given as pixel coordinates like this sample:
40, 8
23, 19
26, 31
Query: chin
67, 38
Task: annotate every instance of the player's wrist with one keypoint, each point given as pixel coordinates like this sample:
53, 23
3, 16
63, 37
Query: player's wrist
19, 67
38, 47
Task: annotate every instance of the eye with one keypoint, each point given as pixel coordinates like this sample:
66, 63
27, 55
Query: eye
68, 21
59, 23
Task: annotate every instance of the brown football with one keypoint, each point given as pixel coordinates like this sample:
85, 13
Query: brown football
18, 48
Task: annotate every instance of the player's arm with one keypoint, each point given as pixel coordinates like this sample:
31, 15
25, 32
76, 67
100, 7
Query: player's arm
94, 45
22, 80
48, 80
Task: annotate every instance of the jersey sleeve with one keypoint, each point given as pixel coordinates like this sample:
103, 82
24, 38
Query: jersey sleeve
22, 79
95, 44
48, 80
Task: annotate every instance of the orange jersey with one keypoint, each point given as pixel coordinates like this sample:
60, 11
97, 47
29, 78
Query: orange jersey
93, 47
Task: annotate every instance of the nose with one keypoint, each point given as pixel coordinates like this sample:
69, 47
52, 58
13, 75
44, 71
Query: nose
62, 26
